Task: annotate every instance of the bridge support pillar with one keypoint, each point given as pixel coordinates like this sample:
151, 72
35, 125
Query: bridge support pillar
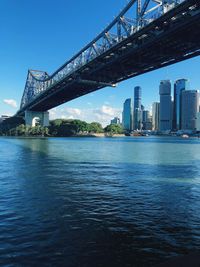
34, 118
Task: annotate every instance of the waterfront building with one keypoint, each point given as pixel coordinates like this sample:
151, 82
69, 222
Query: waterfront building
147, 125
146, 116
127, 115
165, 122
155, 116
116, 120
137, 108
189, 109
179, 86
146, 120
198, 122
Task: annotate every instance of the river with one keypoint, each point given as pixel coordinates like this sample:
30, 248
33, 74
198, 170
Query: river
89, 202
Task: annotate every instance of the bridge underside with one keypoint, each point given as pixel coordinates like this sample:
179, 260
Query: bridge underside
163, 42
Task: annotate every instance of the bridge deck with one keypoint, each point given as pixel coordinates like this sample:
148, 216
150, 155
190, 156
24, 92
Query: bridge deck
171, 38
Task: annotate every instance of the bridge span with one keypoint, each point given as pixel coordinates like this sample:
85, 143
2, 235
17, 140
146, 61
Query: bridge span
146, 35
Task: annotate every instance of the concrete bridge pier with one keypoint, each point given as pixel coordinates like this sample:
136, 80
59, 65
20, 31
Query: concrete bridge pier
34, 118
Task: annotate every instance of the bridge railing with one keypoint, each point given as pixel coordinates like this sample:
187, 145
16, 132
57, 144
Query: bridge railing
119, 29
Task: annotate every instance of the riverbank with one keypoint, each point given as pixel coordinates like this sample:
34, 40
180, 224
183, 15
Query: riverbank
59, 128
99, 135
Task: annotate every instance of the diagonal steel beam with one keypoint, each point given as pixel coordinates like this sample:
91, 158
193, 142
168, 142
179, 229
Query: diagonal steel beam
145, 5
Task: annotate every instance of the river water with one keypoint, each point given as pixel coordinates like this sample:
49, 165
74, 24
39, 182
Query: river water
89, 202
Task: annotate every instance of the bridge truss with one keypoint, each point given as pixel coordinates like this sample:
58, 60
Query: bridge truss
131, 29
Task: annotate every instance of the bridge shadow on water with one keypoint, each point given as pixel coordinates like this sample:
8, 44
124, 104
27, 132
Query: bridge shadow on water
66, 212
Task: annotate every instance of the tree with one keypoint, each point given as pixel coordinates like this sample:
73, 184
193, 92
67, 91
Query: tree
80, 126
56, 122
45, 131
8, 126
20, 130
114, 129
58, 127
95, 127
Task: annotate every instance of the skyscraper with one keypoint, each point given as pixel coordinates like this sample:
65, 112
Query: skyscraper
179, 86
127, 117
146, 120
198, 122
189, 109
165, 106
116, 120
155, 116
146, 116
137, 108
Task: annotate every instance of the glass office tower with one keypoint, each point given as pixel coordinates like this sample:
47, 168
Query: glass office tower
137, 108
165, 106
179, 86
127, 115
189, 109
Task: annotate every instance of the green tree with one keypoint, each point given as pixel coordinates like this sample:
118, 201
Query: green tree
56, 122
95, 127
114, 129
79, 126
20, 130
45, 131
8, 127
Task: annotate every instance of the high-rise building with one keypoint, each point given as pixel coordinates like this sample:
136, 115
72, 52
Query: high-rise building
146, 120
189, 109
155, 116
137, 108
116, 120
198, 122
165, 123
179, 86
127, 115
146, 116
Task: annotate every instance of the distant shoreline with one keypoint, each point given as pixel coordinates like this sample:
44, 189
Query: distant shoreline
97, 135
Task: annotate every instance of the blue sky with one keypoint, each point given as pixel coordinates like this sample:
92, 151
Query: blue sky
44, 34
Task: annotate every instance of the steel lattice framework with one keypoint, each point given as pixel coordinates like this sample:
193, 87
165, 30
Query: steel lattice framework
139, 22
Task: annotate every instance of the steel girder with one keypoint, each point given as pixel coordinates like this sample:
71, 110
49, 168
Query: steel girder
137, 15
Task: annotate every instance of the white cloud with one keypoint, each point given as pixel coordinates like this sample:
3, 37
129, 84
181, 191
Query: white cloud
73, 111
53, 112
107, 110
65, 113
10, 102
106, 113
103, 114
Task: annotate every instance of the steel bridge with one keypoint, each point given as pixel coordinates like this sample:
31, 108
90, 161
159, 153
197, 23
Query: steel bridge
146, 35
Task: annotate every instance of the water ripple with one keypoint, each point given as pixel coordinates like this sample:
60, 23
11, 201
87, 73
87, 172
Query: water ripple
93, 202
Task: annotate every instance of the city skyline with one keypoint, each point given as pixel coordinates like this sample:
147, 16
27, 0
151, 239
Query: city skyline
180, 113
22, 51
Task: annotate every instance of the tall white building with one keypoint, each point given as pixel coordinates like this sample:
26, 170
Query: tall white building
165, 122
189, 109
155, 116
